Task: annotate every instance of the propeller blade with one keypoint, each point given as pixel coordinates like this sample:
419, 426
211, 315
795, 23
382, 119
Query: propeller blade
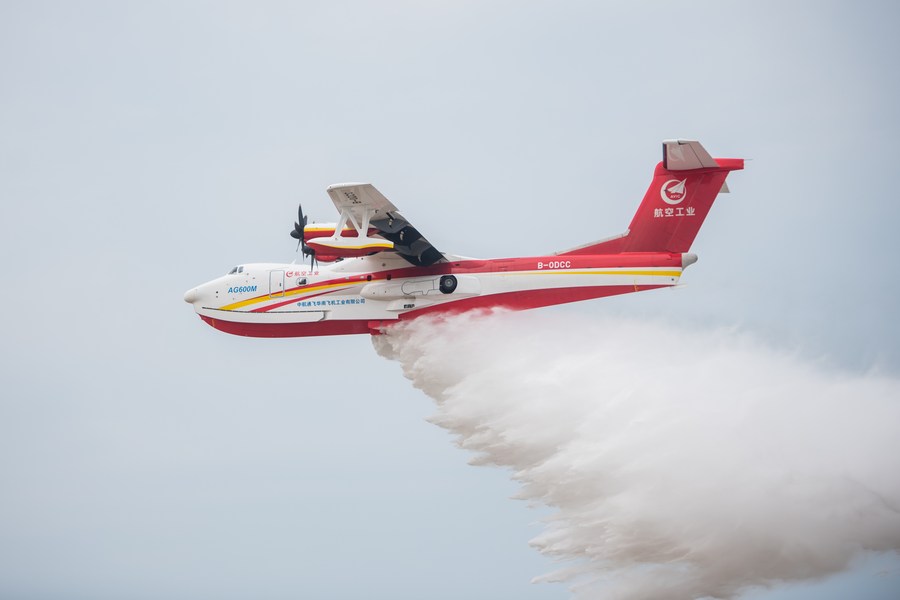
299, 230
302, 218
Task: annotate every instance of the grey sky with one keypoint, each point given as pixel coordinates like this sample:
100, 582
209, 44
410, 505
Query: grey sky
145, 148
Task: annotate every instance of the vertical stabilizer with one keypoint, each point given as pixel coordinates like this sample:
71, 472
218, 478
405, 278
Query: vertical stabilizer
684, 186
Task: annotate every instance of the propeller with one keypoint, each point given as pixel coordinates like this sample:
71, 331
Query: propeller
298, 234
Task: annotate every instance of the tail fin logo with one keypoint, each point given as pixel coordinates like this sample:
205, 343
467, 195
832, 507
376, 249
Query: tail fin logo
672, 191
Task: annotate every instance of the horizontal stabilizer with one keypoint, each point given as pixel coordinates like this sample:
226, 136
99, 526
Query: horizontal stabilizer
685, 155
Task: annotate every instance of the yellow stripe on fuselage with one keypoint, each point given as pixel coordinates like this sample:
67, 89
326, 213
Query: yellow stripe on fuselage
293, 292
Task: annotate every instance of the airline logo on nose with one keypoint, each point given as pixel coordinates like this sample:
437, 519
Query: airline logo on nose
672, 191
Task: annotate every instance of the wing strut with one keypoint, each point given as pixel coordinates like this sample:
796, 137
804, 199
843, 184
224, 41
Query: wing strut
363, 205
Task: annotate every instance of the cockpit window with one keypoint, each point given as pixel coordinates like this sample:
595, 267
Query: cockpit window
241, 269
232, 271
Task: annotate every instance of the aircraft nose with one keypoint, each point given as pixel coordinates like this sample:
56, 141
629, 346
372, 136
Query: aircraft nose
191, 295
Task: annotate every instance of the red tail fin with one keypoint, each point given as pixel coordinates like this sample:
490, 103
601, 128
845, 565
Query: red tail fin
683, 189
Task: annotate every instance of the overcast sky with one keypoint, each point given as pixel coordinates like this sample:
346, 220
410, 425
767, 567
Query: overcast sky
148, 147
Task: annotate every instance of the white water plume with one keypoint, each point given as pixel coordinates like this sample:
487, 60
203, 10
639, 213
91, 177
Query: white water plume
679, 463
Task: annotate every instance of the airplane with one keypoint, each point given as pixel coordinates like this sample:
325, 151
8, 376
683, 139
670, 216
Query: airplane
372, 268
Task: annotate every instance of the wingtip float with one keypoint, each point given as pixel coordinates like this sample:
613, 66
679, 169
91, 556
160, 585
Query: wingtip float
372, 268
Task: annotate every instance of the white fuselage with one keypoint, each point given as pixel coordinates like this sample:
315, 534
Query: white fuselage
365, 294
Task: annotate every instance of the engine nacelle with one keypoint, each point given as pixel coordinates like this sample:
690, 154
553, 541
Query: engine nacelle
349, 246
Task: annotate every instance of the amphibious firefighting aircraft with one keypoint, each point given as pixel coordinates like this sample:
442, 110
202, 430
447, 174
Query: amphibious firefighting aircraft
373, 268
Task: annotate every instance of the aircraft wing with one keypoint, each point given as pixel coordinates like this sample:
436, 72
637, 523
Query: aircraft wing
368, 207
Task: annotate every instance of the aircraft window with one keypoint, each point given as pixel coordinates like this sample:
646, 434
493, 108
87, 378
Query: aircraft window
301, 281
232, 271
